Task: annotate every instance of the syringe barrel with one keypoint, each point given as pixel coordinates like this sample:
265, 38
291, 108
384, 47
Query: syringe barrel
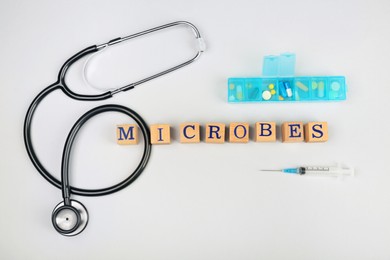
327, 171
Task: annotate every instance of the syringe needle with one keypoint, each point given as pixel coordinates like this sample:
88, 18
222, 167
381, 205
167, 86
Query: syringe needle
271, 170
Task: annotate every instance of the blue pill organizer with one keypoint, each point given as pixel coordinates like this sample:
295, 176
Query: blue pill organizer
278, 84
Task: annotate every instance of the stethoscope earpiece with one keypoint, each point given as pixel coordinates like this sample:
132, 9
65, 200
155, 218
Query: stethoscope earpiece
70, 220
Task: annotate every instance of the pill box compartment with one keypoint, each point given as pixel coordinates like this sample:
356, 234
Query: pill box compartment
319, 88
286, 89
336, 88
269, 90
302, 89
253, 86
236, 90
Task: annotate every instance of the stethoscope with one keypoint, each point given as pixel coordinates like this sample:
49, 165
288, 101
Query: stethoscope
70, 217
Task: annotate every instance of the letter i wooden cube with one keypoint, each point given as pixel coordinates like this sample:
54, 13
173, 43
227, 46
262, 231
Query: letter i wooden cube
190, 133
215, 133
292, 132
127, 134
316, 132
239, 133
160, 134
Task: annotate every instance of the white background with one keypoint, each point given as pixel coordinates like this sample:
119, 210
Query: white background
197, 201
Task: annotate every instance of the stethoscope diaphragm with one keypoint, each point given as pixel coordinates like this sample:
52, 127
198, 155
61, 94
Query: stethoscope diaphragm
70, 220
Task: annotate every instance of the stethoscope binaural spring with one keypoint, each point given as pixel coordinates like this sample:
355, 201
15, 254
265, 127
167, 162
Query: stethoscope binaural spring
70, 217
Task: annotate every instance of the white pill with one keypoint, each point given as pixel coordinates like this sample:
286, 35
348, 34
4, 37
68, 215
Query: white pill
266, 95
335, 86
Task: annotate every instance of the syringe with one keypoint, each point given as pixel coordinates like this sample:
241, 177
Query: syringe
318, 171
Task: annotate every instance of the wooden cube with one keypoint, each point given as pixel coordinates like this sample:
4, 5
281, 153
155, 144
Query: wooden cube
160, 134
127, 134
292, 132
239, 132
265, 132
189, 133
215, 133
316, 132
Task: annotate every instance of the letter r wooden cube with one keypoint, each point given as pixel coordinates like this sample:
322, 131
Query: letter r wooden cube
292, 132
316, 132
215, 133
160, 134
127, 134
239, 132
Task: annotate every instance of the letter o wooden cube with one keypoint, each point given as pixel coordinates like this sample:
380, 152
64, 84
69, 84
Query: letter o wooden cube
239, 132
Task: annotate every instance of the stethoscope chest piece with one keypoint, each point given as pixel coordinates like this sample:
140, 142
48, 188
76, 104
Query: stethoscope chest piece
70, 220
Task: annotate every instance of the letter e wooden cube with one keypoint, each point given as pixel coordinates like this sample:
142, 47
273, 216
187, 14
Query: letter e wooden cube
292, 132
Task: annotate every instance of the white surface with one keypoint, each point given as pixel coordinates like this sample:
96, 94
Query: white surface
197, 201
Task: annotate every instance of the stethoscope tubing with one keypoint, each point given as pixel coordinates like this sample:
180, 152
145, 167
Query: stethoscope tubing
66, 188
59, 184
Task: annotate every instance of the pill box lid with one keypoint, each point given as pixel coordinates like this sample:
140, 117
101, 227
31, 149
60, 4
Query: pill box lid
279, 66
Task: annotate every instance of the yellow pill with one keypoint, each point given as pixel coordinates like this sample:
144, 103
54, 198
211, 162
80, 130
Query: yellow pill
281, 98
273, 92
231, 86
314, 85
302, 86
271, 86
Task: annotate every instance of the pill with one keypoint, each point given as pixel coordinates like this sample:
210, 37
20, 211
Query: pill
239, 93
271, 86
254, 93
281, 98
249, 85
314, 85
266, 95
282, 90
335, 86
321, 89
297, 95
286, 85
231, 86
302, 86
273, 92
